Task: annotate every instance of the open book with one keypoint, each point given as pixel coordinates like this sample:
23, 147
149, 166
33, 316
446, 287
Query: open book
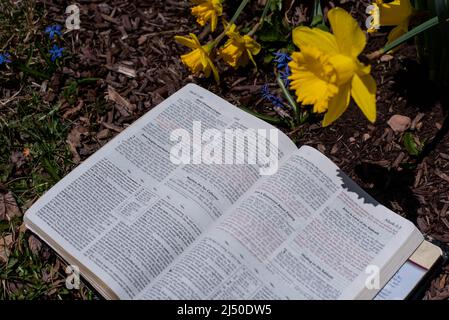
140, 226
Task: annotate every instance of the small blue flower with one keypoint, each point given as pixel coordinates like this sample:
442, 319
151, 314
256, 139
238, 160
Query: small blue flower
282, 59
285, 76
266, 94
56, 52
53, 30
5, 58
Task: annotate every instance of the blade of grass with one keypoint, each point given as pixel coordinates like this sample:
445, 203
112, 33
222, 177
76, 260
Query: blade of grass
32, 72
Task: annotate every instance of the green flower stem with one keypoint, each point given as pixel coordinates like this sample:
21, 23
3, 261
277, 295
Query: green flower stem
233, 19
412, 33
238, 12
273, 120
402, 39
262, 19
289, 98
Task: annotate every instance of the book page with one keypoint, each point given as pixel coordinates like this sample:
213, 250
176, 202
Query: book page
129, 210
304, 233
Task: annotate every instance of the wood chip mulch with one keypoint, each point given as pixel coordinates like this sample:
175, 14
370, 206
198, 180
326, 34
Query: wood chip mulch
129, 45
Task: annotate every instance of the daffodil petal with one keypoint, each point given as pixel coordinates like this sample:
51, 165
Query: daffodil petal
250, 56
188, 42
195, 40
363, 90
207, 10
252, 45
204, 61
338, 104
213, 24
214, 71
239, 50
349, 36
313, 78
324, 41
395, 12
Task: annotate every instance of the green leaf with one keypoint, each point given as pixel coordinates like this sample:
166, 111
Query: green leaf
317, 20
276, 5
270, 33
433, 46
323, 27
317, 11
51, 168
273, 31
410, 145
268, 59
291, 47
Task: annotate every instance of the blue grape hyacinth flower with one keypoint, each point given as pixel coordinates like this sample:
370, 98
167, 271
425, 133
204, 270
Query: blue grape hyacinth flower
5, 58
282, 59
266, 94
54, 30
56, 52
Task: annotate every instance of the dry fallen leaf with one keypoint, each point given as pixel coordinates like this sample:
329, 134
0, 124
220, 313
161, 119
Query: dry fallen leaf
17, 158
103, 134
35, 245
73, 110
74, 141
5, 246
399, 123
8, 206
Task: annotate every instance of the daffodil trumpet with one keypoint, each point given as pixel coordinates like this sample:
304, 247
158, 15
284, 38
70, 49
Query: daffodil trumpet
326, 72
207, 11
199, 59
238, 49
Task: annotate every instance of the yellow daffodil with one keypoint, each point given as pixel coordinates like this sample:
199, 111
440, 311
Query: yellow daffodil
198, 60
327, 72
238, 50
207, 10
395, 13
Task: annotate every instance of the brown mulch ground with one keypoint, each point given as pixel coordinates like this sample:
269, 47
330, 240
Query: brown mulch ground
129, 44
